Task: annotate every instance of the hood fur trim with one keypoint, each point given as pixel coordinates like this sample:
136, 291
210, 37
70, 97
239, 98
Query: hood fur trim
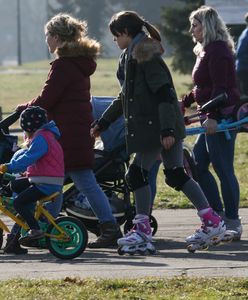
146, 49
85, 47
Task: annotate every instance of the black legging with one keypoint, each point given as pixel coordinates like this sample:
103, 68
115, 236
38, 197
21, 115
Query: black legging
27, 194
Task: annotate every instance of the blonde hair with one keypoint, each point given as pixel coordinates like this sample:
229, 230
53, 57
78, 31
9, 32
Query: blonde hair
70, 31
213, 28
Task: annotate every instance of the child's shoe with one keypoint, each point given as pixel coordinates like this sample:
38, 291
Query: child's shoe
33, 234
13, 246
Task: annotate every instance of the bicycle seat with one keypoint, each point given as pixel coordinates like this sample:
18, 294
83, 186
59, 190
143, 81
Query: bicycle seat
214, 103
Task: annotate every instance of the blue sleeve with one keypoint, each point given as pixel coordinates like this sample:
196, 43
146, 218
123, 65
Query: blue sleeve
18, 153
36, 150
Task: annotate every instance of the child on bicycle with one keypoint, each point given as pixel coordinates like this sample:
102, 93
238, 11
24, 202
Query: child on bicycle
43, 164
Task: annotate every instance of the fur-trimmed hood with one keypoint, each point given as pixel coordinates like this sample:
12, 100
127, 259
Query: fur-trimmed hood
83, 54
146, 49
86, 47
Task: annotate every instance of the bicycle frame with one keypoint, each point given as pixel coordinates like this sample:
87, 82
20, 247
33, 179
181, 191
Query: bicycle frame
39, 211
8, 213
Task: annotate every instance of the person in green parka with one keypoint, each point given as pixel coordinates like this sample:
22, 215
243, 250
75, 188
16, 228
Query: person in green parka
154, 124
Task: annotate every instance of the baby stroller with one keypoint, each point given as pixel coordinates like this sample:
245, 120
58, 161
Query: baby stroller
111, 163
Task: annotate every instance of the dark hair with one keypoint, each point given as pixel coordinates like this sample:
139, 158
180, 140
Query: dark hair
131, 23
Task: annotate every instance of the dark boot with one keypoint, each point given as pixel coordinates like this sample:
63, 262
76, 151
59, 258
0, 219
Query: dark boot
110, 233
12, 245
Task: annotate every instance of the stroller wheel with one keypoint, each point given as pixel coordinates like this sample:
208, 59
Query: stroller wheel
153, 222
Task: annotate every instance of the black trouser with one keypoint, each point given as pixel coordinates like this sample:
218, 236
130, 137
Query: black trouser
27, 195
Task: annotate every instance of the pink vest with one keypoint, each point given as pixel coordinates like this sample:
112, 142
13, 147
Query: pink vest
52, 163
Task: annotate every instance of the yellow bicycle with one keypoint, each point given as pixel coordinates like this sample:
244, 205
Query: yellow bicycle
66, 237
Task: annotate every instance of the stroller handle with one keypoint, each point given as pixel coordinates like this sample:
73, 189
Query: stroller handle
229, 125
11, 119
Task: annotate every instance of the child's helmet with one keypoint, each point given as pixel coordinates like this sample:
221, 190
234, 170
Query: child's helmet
32, 118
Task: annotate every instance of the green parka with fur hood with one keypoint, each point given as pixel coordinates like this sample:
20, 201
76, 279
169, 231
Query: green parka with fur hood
146, 118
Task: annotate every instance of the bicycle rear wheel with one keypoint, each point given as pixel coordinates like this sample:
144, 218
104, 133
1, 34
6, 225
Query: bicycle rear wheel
75, 245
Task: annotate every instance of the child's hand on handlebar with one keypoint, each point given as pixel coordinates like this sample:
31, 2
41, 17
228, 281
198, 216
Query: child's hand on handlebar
210, 125
3, 169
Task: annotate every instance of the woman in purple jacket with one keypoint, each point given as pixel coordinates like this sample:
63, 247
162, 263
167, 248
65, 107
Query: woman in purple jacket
213, 74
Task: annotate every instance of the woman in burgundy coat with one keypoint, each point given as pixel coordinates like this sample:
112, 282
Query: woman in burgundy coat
66, 97
214, 74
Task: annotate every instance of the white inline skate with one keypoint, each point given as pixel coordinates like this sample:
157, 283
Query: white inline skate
212, 232
139, 239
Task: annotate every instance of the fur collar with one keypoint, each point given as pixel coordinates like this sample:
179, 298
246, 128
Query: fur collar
146, 49
85, 47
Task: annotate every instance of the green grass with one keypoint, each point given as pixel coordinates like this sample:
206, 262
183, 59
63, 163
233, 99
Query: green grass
26, 82
141, 289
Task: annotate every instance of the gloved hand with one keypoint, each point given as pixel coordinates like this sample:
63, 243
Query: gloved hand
3, 169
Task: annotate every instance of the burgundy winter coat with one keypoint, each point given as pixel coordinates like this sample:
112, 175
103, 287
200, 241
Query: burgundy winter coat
66, 97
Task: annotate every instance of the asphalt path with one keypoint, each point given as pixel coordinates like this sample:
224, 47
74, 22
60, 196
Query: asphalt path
171, 258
